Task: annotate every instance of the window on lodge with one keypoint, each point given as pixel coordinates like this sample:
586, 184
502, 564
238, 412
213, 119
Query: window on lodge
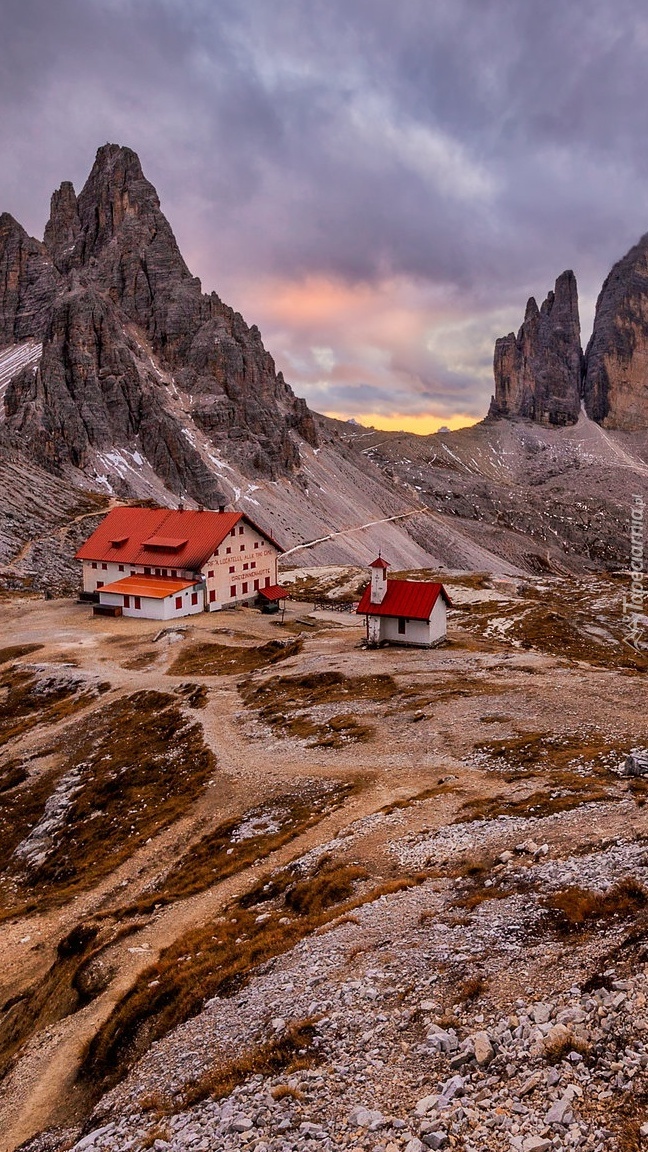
137, 603
178, 602
233, 532
94, 563
401, 625
253, 564
241, 530
256, 543
244, 588
256, 585
241, 547
233, 590
147, 571
228, 551
194, 597
126, 601
245, 567
232, 568
212, 595
210, 574
121, 567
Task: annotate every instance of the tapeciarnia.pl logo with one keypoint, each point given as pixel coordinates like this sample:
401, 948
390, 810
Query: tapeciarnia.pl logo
633, 604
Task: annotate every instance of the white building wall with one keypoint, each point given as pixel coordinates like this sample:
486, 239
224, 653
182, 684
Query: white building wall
108, 573
422, 632
245, 558
438, 621
416, 631
154, 608
373, 629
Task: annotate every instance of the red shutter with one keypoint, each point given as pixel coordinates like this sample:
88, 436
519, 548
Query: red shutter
126, 601
178, 602
194, 597
212, 595
137, 602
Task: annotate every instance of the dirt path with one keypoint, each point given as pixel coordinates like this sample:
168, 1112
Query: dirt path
449, 700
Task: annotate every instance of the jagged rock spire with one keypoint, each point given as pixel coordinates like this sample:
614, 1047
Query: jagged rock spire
538, 372
616, 361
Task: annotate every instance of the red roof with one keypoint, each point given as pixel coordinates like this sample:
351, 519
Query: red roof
162, 536
379, 563
274, 592
155, 587
413, 599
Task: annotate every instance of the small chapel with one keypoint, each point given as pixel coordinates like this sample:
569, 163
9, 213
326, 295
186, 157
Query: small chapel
411, 612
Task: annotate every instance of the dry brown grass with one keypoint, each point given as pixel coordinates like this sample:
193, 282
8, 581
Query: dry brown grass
193, 695
419, 797
286, 704
12, 773
160, 1132
565, 758
625, 1115
286, 1092
31, 699
472, 989
537, 804
223, 852
219, 958
140, 762
230, 659
215, 959
140, 661
559, 1048
77, 975
575, 909
540, 622
15, 651
294, 1047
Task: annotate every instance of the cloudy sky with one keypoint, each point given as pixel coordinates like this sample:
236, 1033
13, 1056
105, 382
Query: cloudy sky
378, 185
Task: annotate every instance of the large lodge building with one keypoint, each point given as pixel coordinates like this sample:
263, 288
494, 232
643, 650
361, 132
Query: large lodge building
159, 563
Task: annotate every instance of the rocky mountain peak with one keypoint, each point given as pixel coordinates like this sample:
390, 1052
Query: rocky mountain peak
616, 379
538, 372
134, 354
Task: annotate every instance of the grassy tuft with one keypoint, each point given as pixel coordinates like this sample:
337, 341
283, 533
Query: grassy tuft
575, 909
15, 651
230, 659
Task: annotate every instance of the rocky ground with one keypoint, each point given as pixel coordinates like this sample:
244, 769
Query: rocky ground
404, 907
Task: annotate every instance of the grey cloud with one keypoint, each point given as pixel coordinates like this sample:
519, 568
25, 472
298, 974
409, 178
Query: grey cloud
478, 145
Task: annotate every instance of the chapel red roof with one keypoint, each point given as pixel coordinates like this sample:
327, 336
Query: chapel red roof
162, 536
413, 599
379, 563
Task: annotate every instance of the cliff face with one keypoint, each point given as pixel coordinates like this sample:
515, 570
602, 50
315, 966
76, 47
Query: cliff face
616, 361
131, 345
538, 372
28, 283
